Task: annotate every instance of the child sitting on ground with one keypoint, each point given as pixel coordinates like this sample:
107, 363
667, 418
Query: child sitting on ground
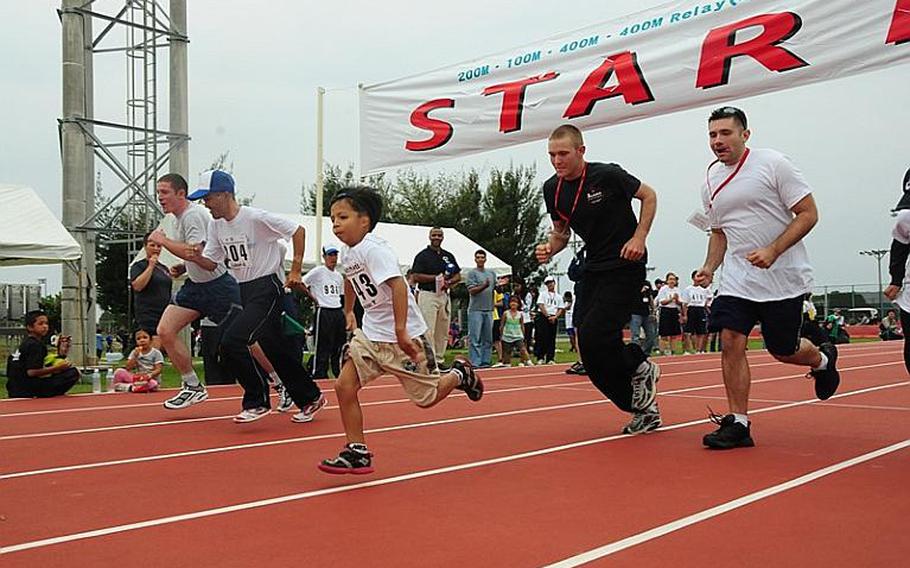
392, 339
34, 373
146, 361
513, 335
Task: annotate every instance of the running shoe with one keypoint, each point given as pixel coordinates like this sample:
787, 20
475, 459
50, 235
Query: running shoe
354, 458
644, 386
285, 402
827, 381
577, 368
730, 434
469, 382
188, 396
308, 412
643, 422
251, 414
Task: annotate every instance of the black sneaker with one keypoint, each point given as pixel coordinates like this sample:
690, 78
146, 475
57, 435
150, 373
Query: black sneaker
577, 368
470, 383
731, 434
354, 458
827, 381
644, 421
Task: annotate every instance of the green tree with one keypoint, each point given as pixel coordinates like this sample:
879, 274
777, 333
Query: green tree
334, 179
51, 306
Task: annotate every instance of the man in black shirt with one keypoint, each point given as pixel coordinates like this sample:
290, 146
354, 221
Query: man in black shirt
435, 270
594, 200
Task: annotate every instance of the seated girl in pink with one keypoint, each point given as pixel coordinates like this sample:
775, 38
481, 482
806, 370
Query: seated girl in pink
143, 368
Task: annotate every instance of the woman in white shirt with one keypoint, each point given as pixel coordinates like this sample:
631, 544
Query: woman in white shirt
670, 318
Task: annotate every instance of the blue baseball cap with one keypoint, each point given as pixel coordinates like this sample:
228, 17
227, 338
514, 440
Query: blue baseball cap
213, 181
329, 249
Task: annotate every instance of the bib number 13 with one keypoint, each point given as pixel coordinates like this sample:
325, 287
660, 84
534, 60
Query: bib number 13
364, 287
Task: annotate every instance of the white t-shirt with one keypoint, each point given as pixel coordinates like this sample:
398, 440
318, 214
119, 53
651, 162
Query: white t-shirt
192, 228
248, 243
665, 293
695, 296
325, 285
753, 210
526, 308
145, 362
369, 266
901, 233
552, 301
570, 308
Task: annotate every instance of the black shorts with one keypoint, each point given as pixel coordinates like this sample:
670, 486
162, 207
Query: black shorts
780, 320
697, 320
668, 325
497, 331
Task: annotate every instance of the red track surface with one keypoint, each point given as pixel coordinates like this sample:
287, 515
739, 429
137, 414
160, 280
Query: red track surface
534, 474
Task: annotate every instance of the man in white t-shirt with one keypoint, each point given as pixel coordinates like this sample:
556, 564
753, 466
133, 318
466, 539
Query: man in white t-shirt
695, 300
324, 285
760, 208
246, 241
550, 308
209, 291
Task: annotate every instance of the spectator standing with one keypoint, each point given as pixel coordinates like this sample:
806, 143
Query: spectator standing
480, 283
695, 301
550, 308
435, 270
151, 283
643, 319
670, 304
324, 285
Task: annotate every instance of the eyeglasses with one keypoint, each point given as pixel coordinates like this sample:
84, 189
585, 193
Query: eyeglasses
728, 112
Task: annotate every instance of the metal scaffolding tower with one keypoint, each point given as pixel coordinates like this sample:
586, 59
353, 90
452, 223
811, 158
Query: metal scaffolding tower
136, 150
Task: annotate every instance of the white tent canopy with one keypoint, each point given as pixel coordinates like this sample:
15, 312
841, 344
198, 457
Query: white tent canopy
405, 240
29, 232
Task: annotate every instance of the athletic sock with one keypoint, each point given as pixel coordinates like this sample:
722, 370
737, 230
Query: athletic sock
359, 448
741, 419
190, 379
824, 364
459, 374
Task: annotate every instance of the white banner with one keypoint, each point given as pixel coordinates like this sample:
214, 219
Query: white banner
677, 56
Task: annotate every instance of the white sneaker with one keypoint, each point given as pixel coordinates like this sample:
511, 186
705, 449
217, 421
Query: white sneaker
251, 414
499, 365
188, 396
308, 412
285, 402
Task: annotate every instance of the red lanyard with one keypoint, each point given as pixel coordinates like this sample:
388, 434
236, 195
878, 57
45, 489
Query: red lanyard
581, 186
739, 166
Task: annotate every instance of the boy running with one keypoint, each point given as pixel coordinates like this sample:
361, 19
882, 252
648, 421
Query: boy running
392, 339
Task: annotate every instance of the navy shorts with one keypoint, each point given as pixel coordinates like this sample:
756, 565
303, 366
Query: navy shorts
697, 320
212, 299
780, 320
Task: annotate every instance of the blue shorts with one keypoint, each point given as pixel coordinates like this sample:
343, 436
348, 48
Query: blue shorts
780, 320
212, 299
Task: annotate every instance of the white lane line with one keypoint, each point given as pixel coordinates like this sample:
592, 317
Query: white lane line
374, 483
701, 516
523, 374
820, 403
115, 428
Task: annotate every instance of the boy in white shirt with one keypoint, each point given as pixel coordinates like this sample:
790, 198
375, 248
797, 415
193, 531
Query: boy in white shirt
695, 300
392, 339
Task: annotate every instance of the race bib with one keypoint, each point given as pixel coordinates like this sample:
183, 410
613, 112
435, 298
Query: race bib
367, 291
236, 251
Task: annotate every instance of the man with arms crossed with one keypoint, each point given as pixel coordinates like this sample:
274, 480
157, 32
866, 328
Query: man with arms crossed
759, 208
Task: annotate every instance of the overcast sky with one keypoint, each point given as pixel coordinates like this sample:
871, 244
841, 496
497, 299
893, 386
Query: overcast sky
254, 68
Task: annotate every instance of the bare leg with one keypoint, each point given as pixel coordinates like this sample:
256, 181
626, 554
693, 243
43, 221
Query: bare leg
259, 355
447, 384
808, 355
172, 321
346, 387
737, 377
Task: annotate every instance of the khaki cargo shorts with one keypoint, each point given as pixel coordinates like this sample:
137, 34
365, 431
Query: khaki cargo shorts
372, 359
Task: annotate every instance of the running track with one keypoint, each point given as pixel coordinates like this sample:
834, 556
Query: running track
536, 474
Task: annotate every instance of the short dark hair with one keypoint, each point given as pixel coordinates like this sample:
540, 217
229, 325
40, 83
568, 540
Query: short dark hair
568, 131
364, 200
480, 251
177, 181
729, 112
694, 272
32, 316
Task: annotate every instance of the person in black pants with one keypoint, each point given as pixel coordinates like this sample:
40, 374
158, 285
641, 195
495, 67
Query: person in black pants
25, 367
245, 239
324, 285
549, 308
898, 290
594, 200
